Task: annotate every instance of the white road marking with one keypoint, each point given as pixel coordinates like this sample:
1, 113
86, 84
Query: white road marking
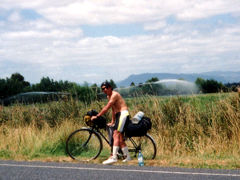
122, 170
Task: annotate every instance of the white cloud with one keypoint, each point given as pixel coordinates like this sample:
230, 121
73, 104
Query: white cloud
155, 25
204, 9
56, 45
14, 17
109, 12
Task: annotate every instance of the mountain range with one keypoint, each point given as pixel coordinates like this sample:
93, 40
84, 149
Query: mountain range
220, 76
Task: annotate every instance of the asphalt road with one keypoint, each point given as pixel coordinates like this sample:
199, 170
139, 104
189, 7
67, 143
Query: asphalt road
10, 170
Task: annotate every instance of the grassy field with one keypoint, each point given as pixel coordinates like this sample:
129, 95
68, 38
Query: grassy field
191, 131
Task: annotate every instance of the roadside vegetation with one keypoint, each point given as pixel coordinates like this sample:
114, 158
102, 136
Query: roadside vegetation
191, 131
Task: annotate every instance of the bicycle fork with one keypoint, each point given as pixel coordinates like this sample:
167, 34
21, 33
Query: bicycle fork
89, 137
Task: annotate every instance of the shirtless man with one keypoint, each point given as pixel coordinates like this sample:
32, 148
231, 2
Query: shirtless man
119, 116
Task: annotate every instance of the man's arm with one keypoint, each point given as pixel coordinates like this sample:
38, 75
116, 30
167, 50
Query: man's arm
108, 106
113, 118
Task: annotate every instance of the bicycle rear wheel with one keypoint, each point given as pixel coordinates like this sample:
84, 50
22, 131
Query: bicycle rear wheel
144, 143
84, 145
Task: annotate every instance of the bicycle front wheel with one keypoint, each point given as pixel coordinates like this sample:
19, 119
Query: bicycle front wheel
144, 143
84, 145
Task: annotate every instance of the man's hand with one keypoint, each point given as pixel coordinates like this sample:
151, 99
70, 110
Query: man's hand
93, 117
110, 124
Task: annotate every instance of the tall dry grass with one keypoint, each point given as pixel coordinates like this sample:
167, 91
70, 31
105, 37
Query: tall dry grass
204, 126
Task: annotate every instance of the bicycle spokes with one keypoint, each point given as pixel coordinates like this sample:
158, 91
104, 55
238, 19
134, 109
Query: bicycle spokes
84, 145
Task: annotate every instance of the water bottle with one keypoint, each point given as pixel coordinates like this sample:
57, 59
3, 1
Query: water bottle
140, 159
137, 117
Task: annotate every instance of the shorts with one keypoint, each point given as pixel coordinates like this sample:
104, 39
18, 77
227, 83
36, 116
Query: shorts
121, 119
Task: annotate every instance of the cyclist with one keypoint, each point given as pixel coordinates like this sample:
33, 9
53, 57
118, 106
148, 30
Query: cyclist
120, 116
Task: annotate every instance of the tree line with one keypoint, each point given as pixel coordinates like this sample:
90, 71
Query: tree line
205, 86
17, 84
213, 86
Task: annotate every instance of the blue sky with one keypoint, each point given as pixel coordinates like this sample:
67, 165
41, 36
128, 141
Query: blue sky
91, 41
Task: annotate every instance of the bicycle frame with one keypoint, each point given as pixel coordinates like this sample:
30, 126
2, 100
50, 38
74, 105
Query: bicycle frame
136, 147
101, 134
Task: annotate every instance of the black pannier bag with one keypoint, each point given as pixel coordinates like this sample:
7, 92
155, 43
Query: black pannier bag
100, 122
139, 129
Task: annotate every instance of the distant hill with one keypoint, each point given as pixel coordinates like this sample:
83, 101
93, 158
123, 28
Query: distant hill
220, 76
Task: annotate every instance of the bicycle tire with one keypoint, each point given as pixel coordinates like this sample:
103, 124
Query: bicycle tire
144, 143
84, 144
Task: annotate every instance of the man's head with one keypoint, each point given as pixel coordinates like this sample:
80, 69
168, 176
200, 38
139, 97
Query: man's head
106, 86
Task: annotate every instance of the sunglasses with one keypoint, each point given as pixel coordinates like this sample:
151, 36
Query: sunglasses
104, 88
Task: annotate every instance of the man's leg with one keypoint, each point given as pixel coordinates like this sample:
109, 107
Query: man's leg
123, 119
110, 131
113, 158
124, 148
110, 137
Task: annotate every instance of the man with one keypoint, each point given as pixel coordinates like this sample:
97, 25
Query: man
119, 117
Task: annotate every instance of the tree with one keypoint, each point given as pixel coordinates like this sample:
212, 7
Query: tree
13, 85
17, 77
210, 86
199, 82
83, 93
153, 79
233, 86
46, 84
3, 88
94, 86
132, 84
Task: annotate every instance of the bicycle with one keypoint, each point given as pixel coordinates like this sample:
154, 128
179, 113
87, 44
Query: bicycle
86, 144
